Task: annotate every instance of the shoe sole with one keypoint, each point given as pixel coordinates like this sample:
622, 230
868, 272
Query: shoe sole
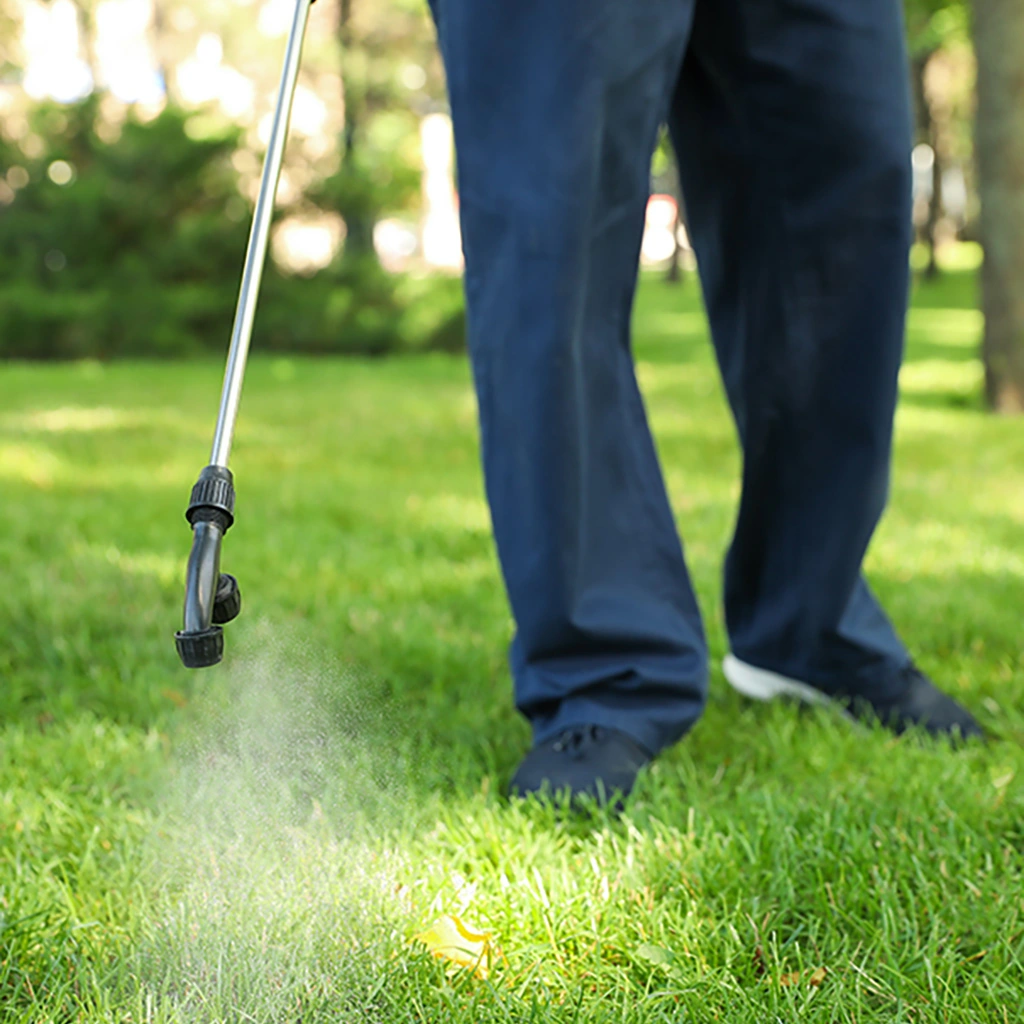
763, 685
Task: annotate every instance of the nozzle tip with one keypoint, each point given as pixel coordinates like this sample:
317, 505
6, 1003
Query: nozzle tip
202, 649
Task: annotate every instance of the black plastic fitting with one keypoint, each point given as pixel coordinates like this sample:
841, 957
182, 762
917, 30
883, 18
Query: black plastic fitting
212, 598
227, 602
214, 491
202, 649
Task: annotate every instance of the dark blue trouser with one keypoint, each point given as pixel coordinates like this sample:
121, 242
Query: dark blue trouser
791, 123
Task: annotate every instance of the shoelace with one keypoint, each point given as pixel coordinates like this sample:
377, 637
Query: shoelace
574, 741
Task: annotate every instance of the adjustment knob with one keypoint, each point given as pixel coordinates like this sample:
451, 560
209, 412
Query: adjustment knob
227, 602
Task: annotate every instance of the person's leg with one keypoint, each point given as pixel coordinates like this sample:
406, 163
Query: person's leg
792, 125
556, 106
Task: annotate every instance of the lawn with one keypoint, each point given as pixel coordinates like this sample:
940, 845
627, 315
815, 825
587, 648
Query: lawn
264, 840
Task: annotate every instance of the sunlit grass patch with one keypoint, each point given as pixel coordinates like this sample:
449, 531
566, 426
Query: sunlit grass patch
955, 328
941, 378
264, 841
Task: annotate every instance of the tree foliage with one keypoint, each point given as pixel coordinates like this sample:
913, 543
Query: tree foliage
134, 246
932, 24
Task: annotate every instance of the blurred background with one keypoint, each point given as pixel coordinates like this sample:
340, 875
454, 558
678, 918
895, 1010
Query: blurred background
260, 841
131, 141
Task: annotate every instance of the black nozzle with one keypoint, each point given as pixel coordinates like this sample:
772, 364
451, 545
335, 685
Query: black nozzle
211, 597
227, 602
200, 650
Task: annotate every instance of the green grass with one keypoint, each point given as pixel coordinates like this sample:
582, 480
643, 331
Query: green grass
261, 842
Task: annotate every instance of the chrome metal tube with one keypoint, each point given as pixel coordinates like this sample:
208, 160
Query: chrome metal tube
255, 255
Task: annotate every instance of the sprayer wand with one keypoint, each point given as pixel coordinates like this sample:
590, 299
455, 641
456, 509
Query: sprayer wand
212, 598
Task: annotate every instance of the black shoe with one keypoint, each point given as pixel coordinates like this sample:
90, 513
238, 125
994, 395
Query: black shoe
583, 761
917, 701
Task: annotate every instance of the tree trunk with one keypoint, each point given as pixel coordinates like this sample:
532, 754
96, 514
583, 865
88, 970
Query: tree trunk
358, 221
161, 51
674, 273
928, 132
85, 16
934, 206
999, 144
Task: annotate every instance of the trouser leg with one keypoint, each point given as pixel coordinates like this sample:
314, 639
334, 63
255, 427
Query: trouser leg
556, 107
791, 122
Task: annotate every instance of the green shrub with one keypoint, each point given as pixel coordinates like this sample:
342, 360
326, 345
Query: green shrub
140, 254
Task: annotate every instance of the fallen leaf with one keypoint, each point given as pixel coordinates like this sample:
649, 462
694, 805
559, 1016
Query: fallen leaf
656, 955
451, 939
813, 978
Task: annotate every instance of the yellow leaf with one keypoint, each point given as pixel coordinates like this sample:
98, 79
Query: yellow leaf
813, 978
450, 939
